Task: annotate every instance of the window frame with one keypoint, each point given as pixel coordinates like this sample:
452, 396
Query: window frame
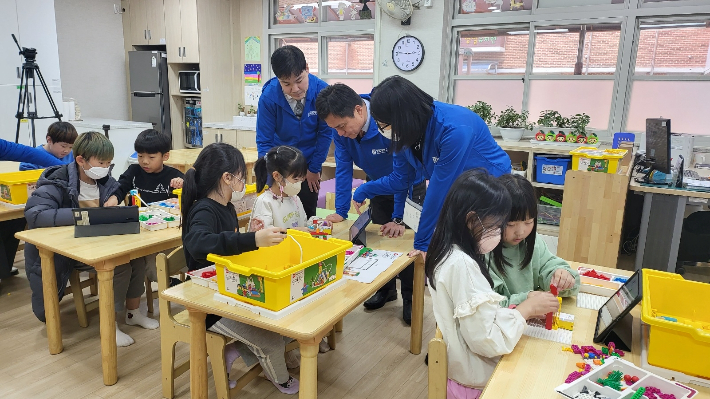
321, 30
629, 15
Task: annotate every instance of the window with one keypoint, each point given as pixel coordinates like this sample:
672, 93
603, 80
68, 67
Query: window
289, 12
492, 52
569, 97
351, 55
309, 46
671, 74
491, 6
577, 49
673, 48
573, 3
336, 11
491, 66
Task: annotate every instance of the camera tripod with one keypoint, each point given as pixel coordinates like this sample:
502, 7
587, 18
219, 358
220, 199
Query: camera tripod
27, 101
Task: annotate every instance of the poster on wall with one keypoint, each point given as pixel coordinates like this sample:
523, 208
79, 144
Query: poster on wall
251, 95
252, 74
252, 48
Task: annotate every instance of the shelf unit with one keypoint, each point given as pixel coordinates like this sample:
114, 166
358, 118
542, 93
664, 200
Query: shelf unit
526, 151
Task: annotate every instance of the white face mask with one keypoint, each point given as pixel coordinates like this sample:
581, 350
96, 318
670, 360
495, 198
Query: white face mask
96, 172
291, 189
489, 243
237, 195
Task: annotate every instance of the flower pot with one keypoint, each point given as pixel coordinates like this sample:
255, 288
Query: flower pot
495, 130
241, 113
510, 134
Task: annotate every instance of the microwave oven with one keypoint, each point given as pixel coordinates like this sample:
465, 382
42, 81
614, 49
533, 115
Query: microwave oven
189, 81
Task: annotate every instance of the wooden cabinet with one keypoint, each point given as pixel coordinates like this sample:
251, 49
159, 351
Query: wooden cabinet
181, 31
147, 22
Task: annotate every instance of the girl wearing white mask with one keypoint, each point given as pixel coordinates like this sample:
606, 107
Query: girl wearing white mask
521, 265
210, 226
284, 168
476, 328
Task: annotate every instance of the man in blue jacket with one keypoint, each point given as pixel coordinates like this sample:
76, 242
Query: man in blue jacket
360, 142
287, 116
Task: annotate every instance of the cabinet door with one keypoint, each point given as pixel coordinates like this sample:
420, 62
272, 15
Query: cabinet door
139, 22
173, 30
188, 17
156, 21
38, 29
10, 62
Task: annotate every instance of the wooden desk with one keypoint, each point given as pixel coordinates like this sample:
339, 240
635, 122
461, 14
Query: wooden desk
184, 159
536, 367
309, 324
662, 224
7, 213
104, 254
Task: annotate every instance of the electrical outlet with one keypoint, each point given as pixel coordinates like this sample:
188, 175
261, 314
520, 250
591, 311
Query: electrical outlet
427, 3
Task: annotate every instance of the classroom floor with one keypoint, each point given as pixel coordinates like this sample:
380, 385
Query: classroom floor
372, 358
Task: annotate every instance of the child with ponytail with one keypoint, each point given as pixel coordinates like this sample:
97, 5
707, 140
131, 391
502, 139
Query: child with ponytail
210, 225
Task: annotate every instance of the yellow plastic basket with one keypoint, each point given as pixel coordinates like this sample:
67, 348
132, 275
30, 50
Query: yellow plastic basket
592, 159
245, 205
275, 277
679, 323
16, 187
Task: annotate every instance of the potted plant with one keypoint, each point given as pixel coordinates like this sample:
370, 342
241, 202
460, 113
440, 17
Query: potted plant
485, 111
513, 124
252, 111
548, 119
240, 108
579, 124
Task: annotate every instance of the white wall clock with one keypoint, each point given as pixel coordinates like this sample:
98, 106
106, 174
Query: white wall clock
408, 53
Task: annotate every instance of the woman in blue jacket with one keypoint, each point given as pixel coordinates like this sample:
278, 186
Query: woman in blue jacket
438, 140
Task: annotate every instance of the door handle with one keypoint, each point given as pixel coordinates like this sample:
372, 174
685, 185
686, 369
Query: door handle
150, 37
183, 52
145, 34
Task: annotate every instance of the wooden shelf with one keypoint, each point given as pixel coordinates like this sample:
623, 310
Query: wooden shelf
546, 185
186, 94
548, 229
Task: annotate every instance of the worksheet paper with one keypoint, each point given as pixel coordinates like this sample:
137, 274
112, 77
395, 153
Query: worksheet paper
367, 267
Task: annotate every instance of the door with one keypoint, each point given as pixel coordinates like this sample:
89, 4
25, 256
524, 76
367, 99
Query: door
173, 30
188, 17
139, 21
156, 21
38, 29
10, 62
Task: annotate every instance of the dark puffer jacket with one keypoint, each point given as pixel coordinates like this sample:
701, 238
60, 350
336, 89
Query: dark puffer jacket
51, 206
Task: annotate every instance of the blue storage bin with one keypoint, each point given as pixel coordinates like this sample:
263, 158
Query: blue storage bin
551, 170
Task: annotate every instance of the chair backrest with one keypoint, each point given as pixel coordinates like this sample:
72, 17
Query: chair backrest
166, 266
438, 367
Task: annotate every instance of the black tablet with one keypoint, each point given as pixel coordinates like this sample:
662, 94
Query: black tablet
611, 319
357, 230
105, 215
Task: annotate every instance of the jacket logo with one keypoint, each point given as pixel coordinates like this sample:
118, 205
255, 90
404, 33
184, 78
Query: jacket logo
379, 151
435, 159
313, 113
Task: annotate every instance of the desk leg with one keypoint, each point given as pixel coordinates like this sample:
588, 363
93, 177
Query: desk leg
339, 326
198, 355
107, 316
309, 369
415, 345
51, 301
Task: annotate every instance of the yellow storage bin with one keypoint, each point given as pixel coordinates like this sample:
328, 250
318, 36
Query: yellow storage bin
679, 322
244, 206
16, 187
275, 277
592, 159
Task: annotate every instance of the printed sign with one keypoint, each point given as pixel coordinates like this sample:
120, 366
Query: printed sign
555, 170
5, 192
251, 287
313, 278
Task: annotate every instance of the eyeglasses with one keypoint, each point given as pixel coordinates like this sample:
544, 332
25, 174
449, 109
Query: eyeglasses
243, 181
489, 232
382, 127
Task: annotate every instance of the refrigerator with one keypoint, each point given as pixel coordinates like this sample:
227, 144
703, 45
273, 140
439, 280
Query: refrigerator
150, 101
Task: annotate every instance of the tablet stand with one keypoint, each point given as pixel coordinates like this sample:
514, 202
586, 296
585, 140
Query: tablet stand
620, 334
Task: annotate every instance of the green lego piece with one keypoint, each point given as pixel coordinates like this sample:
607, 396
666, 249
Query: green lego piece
639, 393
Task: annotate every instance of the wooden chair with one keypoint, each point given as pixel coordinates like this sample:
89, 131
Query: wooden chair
77, 286
176, 328
438, 367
